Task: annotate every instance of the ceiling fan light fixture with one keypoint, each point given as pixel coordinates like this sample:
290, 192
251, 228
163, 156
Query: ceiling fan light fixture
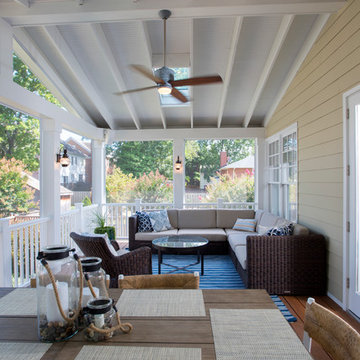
164, 89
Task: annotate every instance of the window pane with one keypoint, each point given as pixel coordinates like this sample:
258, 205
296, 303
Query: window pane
274, 199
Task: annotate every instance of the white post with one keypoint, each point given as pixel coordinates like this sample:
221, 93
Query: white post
6, 51
220, 203
179, 176
50, 131
137, 204
98, 172
5, 254
79, 218
260, 174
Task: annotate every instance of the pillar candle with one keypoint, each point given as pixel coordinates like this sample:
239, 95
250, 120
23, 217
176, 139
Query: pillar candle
52, 310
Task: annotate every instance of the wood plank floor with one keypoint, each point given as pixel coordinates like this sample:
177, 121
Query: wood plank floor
296, 305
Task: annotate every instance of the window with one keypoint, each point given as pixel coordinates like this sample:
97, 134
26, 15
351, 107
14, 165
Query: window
72, 160
282, 173
81, 177
76, 160
72, 178
65, 179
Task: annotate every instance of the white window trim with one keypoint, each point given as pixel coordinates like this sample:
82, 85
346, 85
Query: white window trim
278, 137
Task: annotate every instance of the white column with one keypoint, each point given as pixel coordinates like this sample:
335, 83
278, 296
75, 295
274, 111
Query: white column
6, 50
98, 172
260, 173
50, 177
5, 253
179, 177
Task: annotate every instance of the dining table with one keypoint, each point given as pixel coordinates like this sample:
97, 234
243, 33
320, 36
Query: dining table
213, 323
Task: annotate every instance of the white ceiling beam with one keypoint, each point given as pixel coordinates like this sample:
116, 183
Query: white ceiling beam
309, 42
104, 46
69, 58
148, 51
191, 72
270, 61
229, 68
29, 52
191, 134
25, 3
63, 12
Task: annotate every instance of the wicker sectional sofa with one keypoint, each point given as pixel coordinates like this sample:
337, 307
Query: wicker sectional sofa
293, 264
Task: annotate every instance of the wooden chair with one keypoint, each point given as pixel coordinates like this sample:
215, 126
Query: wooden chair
135, 262
163, 281
337, 337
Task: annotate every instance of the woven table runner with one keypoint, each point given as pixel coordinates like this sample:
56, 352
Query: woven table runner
254, 334
23, 351
137, 353
20, 302
161, 303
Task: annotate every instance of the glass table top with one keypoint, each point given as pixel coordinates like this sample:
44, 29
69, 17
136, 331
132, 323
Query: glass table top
180, 241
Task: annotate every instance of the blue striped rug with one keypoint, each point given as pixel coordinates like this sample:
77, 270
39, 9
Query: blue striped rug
219, 273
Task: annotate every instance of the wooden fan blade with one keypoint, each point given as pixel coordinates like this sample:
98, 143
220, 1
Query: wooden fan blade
197, 80
135, 90
176, 93
148, 73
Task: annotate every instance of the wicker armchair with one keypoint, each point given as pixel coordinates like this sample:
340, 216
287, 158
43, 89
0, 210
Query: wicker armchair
137, 262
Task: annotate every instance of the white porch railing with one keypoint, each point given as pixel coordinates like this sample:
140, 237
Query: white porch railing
20, 244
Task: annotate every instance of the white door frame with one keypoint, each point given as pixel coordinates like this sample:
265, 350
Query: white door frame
346, 202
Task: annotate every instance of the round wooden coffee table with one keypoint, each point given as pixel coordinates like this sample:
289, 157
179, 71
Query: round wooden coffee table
180, 245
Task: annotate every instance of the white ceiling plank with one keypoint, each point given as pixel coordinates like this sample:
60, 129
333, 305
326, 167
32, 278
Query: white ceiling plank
29, 52
104, 46
270, 61
64, 12
229, 68
146, 42
191, 134
191, 72
65, 52
314, 33
25, 3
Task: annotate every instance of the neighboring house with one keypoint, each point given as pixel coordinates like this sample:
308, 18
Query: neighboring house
65, 194
75, 172
239, 168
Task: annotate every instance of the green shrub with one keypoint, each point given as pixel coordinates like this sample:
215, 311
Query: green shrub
86, 201
110, 230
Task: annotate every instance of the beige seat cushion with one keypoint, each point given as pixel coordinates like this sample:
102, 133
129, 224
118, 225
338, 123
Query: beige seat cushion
240, 253
238, 239
225, 218
210, 234
197, 219
150, 236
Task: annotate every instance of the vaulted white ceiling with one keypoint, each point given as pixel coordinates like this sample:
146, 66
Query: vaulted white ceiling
83, 52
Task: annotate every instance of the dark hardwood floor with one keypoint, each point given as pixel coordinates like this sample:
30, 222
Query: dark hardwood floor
296, 305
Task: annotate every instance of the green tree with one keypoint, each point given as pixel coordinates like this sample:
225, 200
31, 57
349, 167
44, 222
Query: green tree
204, 156
119, 186
14, 196
142, 157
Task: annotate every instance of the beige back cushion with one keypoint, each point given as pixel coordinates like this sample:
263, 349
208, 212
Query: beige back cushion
173, 217
300, 230
197, 219
225, 219
269, 220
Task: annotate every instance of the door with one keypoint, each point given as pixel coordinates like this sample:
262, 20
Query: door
354, 197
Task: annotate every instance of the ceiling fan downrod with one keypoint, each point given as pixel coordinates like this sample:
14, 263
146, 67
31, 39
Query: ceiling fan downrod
164, 14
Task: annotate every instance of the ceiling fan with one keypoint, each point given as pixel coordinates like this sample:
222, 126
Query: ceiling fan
164, 77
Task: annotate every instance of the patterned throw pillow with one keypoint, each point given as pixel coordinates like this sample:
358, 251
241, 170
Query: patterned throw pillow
245, 224
281, 231
144, 223
160, 220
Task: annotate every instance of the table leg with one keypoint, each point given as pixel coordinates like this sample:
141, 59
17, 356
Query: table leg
159, 261
202, 264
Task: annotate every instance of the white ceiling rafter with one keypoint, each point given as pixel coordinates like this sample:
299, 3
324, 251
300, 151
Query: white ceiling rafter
148, 51
64, 50
65, 12
191, 72
310, 40
104, 46
25, 3
29, 52
229, 68
270, 61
